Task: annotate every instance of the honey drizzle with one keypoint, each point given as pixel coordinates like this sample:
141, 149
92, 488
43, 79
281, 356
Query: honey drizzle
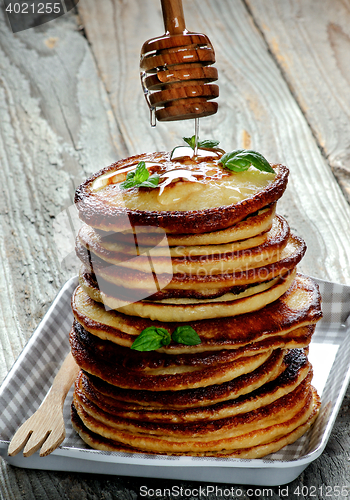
146, 92
196, 136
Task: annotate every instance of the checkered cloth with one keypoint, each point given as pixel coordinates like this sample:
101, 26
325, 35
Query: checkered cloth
31, 377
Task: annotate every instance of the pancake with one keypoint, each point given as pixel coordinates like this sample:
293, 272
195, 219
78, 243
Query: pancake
228, 427
127, 372
130, 294
242, 431
115, 251
246, 291
199, 199
299, 337
298, 307
155, 363
149, 283
295, 369
109, 248
99, 290
252, 452
215, 259
251, 384
160, 363
227, 305
251, 226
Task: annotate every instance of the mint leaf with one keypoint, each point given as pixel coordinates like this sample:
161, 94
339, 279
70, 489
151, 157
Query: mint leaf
228, 156
141, 173
241, 159
151, 182
186, 335
151, 338
128, 183
206, 144
191, 141
140, 178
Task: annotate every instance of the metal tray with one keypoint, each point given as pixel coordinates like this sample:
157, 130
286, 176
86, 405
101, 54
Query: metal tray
31, 376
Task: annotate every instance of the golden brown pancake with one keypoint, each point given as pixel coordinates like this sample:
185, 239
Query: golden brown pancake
130, 294
98, 289
242, 431
298, 307
154, 362
298, 337
111, 250
252, 452
162, 364
149, 284
103, 205
168, 374
227, 305
294, 370
251, 384
96, 441
216, 259
253, 225
115, 251
279, 411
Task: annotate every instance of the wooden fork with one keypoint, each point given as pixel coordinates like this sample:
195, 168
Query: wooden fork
46, 426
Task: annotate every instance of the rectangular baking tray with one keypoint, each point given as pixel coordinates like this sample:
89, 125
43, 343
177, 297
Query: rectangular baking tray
31, 376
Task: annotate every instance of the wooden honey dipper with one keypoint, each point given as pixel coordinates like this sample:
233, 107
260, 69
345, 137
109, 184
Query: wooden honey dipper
176, 71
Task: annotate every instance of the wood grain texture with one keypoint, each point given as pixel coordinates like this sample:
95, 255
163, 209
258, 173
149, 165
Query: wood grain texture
312, 46
51, 102
70, 106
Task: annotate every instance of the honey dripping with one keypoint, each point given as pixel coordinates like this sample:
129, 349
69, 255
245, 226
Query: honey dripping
196, 136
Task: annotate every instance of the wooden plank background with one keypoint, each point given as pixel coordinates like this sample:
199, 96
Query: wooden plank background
71, 103
313, 52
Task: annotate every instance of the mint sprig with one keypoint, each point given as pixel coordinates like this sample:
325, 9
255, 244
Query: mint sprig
206, 144
140, 178
186, 335
241, 159
191, 141
153, 338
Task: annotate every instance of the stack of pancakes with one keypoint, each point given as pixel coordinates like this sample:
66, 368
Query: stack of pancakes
203, 249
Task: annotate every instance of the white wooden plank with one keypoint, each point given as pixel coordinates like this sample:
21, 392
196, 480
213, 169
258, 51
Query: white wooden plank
312, 47
56, 128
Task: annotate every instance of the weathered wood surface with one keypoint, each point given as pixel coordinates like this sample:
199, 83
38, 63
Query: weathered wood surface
70, 105
313, 52
51, 102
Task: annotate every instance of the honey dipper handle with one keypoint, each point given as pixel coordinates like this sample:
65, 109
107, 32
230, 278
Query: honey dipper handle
173, 15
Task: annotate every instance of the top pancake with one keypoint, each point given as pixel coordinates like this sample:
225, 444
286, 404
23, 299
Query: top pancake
205, 197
